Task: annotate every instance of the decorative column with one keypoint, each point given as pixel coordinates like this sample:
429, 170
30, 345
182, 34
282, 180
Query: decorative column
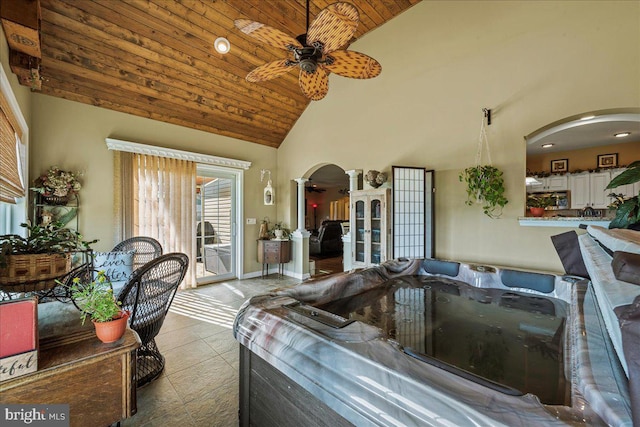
347, 256
300, 238
301, 206
353, 178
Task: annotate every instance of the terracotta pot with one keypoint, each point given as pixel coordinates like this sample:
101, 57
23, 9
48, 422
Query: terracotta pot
112, 331
537, 211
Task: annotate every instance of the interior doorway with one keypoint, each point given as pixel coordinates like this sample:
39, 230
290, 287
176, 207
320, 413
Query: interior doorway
216, 237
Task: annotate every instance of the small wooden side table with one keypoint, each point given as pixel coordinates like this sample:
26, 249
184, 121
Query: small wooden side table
273, 252
97, 380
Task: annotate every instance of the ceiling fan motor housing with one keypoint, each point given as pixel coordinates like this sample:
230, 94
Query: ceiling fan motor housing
308, 58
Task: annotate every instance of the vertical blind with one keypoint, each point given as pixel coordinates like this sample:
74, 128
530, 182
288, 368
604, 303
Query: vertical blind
11, 186
156, 198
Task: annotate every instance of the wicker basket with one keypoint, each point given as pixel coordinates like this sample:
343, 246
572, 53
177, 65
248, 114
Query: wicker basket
34, 272
56, 200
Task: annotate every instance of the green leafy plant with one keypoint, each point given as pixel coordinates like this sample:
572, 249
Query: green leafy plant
539, 201
485, 185
627, 209
42, 239
95, 299
279, 226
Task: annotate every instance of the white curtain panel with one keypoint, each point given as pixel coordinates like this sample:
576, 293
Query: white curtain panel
163, 205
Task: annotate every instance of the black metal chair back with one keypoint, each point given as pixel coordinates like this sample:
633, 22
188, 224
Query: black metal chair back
146, 249
148, 296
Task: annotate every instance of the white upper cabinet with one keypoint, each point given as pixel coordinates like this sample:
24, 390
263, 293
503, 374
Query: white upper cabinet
550, 183
629, 190
588, 190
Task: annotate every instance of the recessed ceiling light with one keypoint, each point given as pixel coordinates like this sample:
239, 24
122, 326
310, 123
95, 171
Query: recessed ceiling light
222, 45
547, 145
621, 134
587, 117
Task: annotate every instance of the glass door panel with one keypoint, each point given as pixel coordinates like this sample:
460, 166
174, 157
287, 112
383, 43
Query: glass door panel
215, 234
360, 231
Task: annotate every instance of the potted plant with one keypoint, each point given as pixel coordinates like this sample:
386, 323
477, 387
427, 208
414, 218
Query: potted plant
32, 263
280, 232
485, 185
97, 302
627, 208
56, 186
537, 203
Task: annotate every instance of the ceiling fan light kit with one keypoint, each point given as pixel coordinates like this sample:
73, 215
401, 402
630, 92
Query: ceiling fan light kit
316, 52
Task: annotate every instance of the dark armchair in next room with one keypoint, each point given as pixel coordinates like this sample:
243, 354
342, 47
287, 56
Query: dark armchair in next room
329, 239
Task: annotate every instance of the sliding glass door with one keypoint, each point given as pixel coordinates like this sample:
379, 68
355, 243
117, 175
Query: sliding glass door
215, 225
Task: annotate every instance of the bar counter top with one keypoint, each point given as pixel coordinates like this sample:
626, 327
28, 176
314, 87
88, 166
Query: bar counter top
563, 221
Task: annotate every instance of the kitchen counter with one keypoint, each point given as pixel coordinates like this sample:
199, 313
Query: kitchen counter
563, 221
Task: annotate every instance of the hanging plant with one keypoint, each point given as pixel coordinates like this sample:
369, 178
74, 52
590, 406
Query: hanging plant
627, 209
485, 185
484, 182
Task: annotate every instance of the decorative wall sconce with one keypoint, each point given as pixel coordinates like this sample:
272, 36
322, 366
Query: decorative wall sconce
269, 193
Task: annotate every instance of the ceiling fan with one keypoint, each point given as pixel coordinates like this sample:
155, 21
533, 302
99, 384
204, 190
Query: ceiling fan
316, 52
314, 189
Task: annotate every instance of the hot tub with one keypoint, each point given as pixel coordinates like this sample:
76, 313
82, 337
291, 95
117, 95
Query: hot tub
429, 342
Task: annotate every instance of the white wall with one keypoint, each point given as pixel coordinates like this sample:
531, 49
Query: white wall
532, 63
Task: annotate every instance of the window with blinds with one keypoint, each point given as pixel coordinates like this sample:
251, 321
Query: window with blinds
11, 182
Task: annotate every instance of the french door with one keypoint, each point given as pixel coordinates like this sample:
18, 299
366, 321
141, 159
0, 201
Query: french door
215, 228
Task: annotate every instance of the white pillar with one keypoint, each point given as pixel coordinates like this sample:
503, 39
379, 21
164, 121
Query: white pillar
300, 238
301, 205
353, 178
346, 239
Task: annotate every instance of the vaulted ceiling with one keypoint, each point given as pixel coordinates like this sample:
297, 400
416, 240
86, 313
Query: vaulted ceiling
155, 59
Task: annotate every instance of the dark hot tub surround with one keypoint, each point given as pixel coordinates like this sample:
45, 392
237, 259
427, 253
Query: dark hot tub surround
429, 342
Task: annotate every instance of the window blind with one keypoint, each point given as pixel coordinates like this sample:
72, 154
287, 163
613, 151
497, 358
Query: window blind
11, 185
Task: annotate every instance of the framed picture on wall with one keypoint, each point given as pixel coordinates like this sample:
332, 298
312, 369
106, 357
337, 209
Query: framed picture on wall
560, 165
608, 160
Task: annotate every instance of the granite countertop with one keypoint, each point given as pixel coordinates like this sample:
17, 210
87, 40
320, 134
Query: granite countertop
563, 221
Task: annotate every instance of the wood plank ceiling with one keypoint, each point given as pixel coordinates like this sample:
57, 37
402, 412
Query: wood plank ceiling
155, 59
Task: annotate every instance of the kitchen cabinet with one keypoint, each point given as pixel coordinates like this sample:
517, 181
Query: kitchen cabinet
370, 227
550, 183
629, 190
588, 190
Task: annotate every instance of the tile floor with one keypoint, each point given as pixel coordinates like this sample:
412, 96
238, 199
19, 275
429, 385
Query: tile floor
199, 385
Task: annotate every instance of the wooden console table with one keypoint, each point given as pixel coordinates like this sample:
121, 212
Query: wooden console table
97, 380
274, 252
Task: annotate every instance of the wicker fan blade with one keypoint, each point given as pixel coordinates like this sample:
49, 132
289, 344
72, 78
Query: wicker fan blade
269, 71
349, 63
266, 34
334, 26
314, 85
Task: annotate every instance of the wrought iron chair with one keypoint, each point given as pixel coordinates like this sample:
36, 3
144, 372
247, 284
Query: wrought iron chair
147, 296
146, 249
